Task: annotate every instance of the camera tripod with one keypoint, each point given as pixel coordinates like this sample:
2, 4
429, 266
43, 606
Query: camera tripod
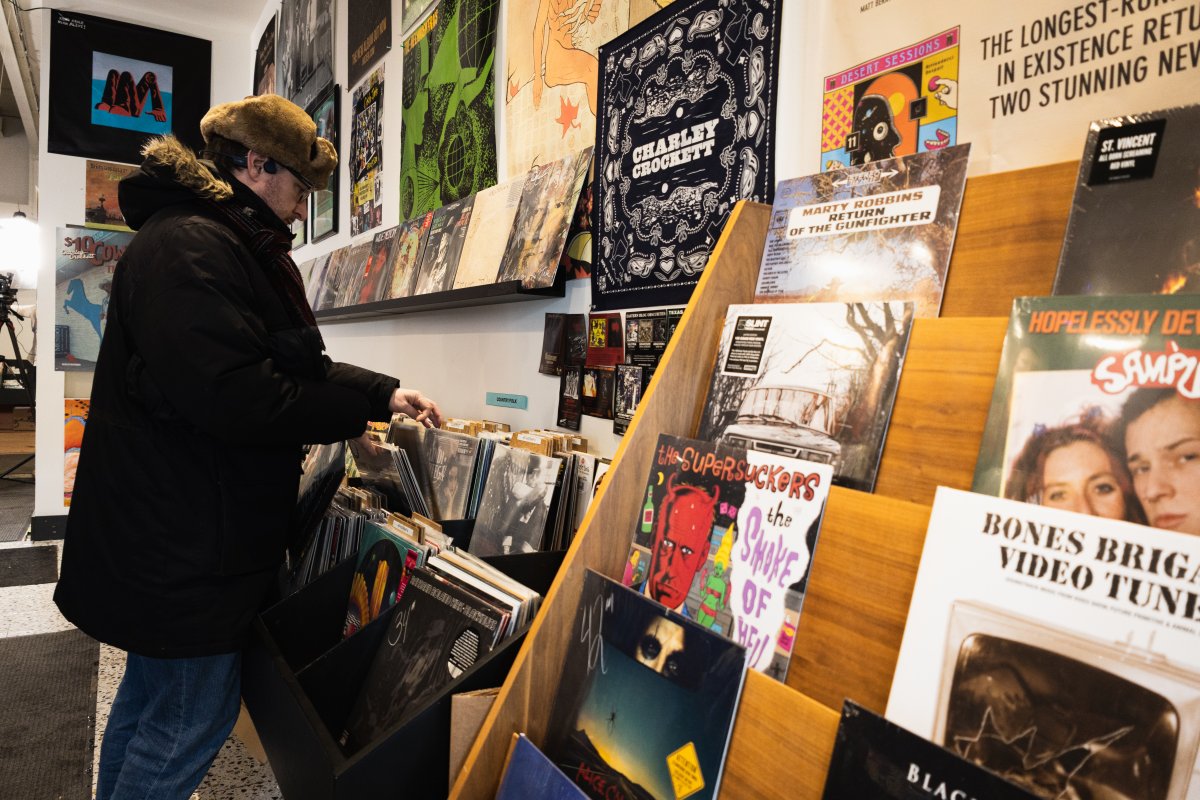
23, 376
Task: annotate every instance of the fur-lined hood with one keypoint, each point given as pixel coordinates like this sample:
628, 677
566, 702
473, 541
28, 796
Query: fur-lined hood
170, 174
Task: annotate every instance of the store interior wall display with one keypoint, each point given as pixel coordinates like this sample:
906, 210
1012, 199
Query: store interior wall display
821, 384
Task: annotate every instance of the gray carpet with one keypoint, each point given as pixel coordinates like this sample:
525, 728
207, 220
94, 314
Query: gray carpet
24, 566
47, 713
16, 507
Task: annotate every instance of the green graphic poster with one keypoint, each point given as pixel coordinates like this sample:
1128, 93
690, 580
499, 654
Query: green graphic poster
449, 106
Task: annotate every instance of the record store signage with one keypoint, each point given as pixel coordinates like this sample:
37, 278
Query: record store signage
686, 101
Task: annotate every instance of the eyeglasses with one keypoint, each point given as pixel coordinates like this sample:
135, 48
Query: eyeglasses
304, 189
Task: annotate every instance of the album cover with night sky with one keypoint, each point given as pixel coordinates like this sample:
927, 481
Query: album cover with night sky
646, 701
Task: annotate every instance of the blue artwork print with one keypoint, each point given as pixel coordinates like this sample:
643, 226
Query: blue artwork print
131, 94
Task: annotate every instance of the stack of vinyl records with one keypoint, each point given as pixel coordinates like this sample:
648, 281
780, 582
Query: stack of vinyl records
449, 614
390, 470
337, 534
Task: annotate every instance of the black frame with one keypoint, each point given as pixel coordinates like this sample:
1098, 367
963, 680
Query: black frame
332, 96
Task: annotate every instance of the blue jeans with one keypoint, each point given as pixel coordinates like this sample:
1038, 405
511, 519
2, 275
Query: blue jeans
168, 720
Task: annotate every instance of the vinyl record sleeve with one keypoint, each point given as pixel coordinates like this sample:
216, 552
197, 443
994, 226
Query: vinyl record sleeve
814, 381
1057, 649
646, 704
1135, 221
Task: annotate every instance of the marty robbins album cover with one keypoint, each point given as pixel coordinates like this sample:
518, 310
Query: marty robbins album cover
883, 230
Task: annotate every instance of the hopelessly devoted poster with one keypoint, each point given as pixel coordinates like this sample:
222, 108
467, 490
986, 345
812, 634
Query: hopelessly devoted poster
687, 101
115, 85
449, 131
896, 104
366, 155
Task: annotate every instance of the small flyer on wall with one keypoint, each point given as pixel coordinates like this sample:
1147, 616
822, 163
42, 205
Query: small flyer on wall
605, 347
630, 380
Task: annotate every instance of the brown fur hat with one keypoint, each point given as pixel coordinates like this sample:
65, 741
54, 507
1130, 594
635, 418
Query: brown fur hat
277, 128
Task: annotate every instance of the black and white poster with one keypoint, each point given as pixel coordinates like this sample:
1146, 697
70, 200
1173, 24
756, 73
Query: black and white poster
114, 85
687, 100
368, 35
304, 69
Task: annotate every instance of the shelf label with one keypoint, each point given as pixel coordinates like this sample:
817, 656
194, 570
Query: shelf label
508, 400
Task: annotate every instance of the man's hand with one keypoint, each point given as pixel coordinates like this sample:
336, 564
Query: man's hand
417, 406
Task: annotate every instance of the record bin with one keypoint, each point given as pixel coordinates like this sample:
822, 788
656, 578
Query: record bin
300, 680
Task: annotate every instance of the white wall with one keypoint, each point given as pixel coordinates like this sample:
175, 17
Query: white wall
14, 165
61, 202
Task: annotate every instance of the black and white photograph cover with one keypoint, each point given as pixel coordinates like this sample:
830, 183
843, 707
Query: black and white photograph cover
516, 502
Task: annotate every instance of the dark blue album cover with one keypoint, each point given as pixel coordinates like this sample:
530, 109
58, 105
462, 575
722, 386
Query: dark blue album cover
683, 131
646, 701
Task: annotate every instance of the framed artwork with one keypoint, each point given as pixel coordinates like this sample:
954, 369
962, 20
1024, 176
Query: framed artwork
323, 205
368, 35
114, 85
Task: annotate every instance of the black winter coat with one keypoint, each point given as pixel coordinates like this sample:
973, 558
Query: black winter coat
204, 391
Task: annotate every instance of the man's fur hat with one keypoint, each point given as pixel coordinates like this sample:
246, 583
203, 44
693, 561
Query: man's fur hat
276, 128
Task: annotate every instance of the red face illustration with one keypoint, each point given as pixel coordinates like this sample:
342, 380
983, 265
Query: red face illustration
681, 535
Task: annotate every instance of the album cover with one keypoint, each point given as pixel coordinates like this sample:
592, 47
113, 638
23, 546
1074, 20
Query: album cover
449, 105
883, 230
366, 154
377, 277
492, 217
529, 774
437, 631
645, 705
1094, 399
83, 271
874, 759
443, 246
576, 261
322, 287
516, 502
577, 339
814, 381
630, 383
685, 129
710, 513
570, 408
406, 255
385, 564
368, 35
1135, 220
118, 85
101, 209
1056, 649
450, 464
264, 60
596, 391
351, 271
539, 231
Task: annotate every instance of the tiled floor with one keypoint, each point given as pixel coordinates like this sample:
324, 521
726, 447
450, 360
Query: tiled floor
235, 775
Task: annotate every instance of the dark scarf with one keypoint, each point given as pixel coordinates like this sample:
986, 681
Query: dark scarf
271, 248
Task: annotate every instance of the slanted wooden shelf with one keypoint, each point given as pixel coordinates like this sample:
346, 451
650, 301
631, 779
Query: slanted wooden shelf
866, 561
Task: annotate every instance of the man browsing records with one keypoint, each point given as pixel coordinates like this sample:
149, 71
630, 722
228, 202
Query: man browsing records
211, 377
